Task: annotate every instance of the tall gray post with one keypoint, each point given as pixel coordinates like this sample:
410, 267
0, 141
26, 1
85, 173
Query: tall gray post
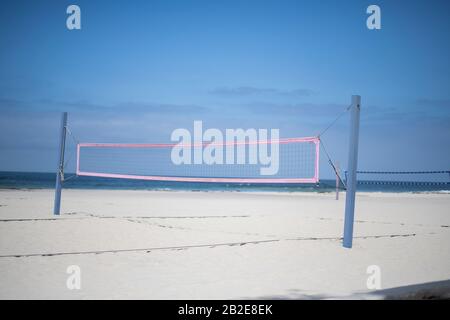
351, 172
60, 168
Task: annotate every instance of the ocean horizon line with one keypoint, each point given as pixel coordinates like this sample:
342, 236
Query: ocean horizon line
46, 180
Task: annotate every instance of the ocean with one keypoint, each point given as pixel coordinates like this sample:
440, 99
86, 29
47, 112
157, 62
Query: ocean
39, 180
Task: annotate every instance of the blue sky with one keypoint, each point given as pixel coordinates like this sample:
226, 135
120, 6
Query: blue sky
137, 70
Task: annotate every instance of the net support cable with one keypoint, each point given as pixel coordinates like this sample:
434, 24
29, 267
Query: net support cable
330, 160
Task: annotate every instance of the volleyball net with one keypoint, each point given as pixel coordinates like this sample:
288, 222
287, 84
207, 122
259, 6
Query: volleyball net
283, 161
291, 160
404, 178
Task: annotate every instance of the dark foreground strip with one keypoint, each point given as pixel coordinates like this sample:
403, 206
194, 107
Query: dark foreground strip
227, 309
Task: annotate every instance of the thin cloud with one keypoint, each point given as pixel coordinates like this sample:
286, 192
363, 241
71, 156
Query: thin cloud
293, 109
46, 105
441, 103
253, 91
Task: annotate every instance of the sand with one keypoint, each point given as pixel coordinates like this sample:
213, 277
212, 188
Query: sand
220, 245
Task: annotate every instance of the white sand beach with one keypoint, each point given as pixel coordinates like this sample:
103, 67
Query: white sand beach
218, 245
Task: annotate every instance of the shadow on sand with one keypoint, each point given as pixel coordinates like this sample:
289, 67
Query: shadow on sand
439, 290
